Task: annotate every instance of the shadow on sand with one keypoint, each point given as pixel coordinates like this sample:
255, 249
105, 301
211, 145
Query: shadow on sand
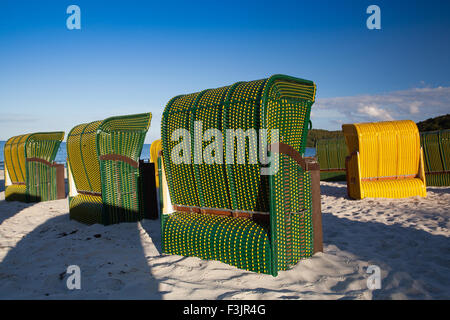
114, 260
6, 212
111, 258
339, 189
411, 258
414, 260
439, 190
9, 209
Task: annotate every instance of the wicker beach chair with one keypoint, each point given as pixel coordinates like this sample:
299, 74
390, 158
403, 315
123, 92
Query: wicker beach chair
31, 175
436, 150
227, 210
385, 161
331, 154
155, 148
104, 169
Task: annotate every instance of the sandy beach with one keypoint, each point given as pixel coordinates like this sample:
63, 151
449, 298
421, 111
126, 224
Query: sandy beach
407, 238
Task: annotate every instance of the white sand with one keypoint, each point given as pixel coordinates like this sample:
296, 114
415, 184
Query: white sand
408, 239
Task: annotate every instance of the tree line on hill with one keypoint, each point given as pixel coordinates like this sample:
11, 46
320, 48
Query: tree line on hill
432, 124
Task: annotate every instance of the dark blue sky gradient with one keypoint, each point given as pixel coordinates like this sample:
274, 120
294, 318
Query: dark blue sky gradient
133, 56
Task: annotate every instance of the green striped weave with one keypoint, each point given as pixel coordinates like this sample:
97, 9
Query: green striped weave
279, 102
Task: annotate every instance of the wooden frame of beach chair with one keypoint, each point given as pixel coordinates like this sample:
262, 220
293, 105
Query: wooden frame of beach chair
31, 175
104, 170
385, 161
229, 211
331, 154
436, 150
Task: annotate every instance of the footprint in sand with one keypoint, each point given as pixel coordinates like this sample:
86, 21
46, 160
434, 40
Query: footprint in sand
110, 284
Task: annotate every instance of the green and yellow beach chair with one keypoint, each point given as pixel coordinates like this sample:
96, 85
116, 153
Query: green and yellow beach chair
331, 154
31, 175
385, 161
103, 169
227, 210
436, 149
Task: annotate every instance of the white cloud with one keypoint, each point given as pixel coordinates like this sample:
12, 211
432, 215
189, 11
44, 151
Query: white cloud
375, 112
415, 107
416, 104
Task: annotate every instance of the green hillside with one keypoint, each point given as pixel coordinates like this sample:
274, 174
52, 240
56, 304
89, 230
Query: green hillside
437, 123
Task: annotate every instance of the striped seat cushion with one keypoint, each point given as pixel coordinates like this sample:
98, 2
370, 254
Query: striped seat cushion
393, 188
86, 208
16, 192
237, 241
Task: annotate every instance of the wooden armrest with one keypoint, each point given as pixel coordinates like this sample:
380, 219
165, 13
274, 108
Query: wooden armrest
307, 163
119, 157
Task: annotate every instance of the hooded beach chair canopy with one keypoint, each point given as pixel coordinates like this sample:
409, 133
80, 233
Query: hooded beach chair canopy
386, 160
331, 154
231, 212
436, 149
103, 169
30, 171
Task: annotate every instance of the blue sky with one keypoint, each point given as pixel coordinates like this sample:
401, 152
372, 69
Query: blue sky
133, 56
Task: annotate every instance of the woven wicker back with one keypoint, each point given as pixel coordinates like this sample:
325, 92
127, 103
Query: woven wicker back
123, 137
247, 190
17, 149
331, 153
28, 164
286, 107
82, 156
445, 147
155, 148
14, 153
44, 145
387, 149
436, 149
180, 177
103, 159
278, 103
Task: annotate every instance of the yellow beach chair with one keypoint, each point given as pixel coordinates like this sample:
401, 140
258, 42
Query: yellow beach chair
155, 147
385, 161
31, 174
